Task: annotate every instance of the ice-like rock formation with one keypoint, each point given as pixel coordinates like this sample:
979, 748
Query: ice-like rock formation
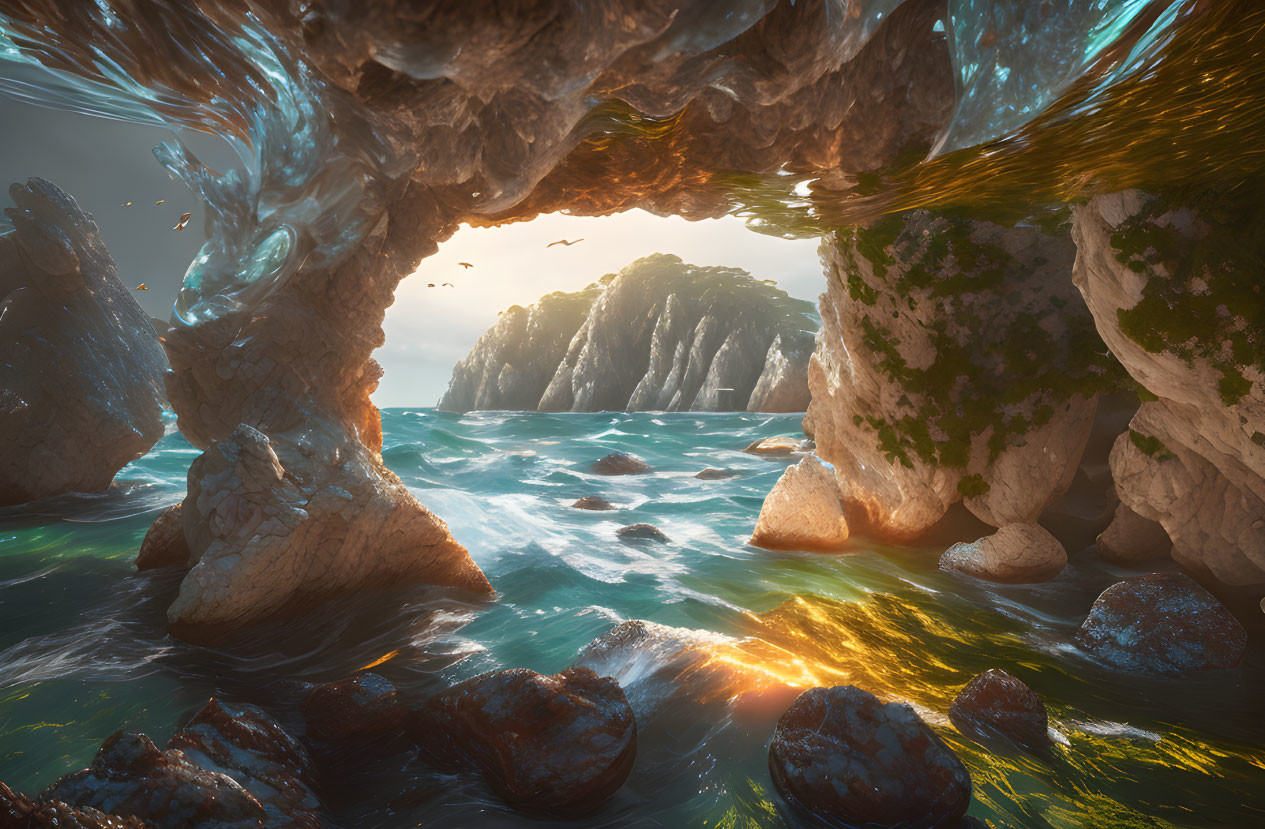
660, 335
81, 381
1176, 293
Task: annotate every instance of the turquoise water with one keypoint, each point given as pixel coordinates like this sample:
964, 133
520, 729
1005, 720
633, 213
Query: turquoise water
83, 651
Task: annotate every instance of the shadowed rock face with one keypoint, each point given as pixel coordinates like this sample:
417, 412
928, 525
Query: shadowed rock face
1015, 554
17, 810
849, 759
360, 707
556, 744
1163, 623
660, 335
81, 381
996, 704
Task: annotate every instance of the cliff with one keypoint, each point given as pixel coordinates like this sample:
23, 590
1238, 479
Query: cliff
660, 335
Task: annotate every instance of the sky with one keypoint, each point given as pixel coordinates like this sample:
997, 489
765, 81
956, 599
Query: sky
105, 163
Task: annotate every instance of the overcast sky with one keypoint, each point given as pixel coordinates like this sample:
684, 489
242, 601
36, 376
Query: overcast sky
105, 164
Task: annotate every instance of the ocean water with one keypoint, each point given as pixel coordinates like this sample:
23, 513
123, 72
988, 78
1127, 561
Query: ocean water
83, 651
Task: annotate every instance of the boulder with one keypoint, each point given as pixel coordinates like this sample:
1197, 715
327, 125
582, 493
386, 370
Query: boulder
593, 502
642, 532
356, 708
620, 463
1131, 539
997, 704
131, 777
711, 473
558, 744
1163, 623
164, 544
21, 812
778, 447
803, 512
1015, 554
849, 759
82, 379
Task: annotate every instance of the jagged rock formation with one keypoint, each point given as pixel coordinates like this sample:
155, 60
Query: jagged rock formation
660, 335
995, 704
1175, 291
803, 512
81, 381
956, 363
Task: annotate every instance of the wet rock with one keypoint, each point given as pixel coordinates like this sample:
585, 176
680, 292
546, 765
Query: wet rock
359, 707
21, 812
778, 447
1015, 554
131, 777
81, 382
641, 532
849, 759
1164, 623
997, 704
164, 544
711, 473
1131, 539
620, 463
558, 744
803, 512
593, 502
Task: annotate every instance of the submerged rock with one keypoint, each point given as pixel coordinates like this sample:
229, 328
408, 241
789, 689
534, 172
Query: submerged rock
1131, 539
164, 544
803, 512
82, 379
594, 502
21, 812
660, 335
1164, 623
849, 759
558, 744
779, 447
1015, 554
997, 704
642, 532
711, 473
359, 707
620, 463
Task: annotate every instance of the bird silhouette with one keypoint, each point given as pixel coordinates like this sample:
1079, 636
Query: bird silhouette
141, 287
465, 264
430, 284
449, 285
184, 220
160, 201
564, 242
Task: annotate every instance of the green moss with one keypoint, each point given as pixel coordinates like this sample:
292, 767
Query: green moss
1150, 446
972, 486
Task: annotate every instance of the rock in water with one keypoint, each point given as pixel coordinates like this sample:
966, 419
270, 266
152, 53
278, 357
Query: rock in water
593, 502
164, 544
82, 379
362, 706
803, 512
21, 812
779, 447
1164, 623
659, 335
711, 473
1131, 539
1015, 554
642, 532
558, 744
620, 463
849, 759
997, 704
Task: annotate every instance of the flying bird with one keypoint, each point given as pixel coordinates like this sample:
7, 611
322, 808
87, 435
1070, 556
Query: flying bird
184, 220
449, 285
564, 242
160, 201
465, 264
430, 284
127, 204
141, 287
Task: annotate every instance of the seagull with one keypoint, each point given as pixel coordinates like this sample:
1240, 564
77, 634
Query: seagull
564, 242
141, 287
160, 201
465, 264
449, 285
127, 204
184, 220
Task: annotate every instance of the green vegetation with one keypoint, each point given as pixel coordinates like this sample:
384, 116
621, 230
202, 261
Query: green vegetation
1150, 446
972, 486
1203, 298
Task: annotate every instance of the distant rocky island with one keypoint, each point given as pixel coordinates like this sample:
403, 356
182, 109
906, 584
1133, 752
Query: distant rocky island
660, 335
